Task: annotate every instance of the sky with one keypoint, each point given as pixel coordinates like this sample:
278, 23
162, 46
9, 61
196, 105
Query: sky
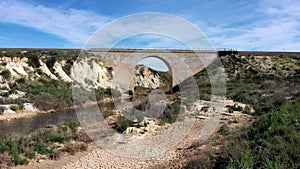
256, 25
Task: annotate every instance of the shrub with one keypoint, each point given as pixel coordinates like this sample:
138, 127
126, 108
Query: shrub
161, 122
273, 141
15, 107
5, 94
6, 74
224, 130
123, 124
50, 62
4, 142
205, 97
22, 161
5, 160
56, 138
130, 92
42, 148
21, 80
176, 106
73, 148
30, 154
11, 147
247, 110
1, 110
33, 61
71, 125
235, 107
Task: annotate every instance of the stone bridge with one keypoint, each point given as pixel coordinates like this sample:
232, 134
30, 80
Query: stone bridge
181, 63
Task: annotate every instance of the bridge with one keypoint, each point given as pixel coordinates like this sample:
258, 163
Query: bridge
182, 64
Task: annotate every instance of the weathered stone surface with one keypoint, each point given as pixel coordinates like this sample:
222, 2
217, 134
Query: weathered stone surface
29, 106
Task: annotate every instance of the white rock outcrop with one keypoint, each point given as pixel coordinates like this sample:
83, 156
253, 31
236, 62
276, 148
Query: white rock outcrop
46, 70
17, 67
145, 77
29, 106
89, 74
61, 73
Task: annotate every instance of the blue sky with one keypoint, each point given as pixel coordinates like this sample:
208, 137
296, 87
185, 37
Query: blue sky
268, 25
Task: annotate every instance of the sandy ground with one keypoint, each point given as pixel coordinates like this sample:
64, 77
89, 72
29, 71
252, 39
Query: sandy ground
20, 114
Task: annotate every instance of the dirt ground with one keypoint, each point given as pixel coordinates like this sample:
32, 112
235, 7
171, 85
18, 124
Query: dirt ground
177, 157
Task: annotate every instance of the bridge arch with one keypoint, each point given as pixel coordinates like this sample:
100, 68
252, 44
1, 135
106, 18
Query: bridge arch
163, 61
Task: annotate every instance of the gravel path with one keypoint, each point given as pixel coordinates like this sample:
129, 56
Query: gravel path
141, 153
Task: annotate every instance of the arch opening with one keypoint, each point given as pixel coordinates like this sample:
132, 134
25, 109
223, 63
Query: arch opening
161, 72
155, 63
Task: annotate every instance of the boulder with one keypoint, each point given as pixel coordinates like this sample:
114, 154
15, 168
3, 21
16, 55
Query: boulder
29, 106
113, 120
5, 109
131, 130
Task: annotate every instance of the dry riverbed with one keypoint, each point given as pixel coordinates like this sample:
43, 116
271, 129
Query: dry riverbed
178, 156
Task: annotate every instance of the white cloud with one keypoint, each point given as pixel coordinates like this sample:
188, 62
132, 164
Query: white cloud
287, 8
73, 25
150, 23
275, 26
150, 41
268, 35
269, 25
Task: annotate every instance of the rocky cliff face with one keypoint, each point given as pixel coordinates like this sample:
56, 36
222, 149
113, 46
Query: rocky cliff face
147, 78
91, 73
84, 72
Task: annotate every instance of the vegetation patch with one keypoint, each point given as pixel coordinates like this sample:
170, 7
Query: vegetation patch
19, 150
6, 74
235, 107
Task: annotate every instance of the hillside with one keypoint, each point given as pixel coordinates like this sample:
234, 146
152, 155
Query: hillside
263, 87
45, 77
271, 85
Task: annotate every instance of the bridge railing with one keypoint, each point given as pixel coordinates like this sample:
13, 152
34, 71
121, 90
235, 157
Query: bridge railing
153, 49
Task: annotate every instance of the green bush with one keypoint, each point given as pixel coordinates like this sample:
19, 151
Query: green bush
11, 146
21, 80
205, 97
224, 130
52, 137
273, 141
4, 142
72, 125
42, 148
176, 106
102, 92
5, 94
47, 93
15, 107
1, 110
33, 60
56, 138
123, 124
15, 150
22, 161
247, 110
30, 154
50, 62
6, 74
235, 107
